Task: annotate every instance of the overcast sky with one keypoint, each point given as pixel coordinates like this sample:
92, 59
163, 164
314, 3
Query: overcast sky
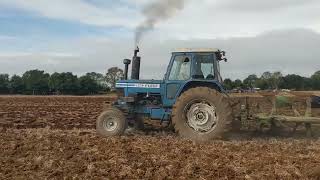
92, 35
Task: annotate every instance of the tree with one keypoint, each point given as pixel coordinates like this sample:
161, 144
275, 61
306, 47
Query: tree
4, 83
264, 81
250, 81
266, 75
275, 79
98, 77
270, 80
238, 83
262, 84
54, 82
36, 82
307, 83
16, 85
64, 83
292, 81
228, 84
87, 85
315, 78
100, 80
113, 75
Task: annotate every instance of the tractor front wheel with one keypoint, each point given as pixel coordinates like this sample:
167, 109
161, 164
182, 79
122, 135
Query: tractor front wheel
112, 122
202, 114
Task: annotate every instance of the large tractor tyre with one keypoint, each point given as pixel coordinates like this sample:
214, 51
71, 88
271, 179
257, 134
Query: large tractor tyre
202, 114
112, 122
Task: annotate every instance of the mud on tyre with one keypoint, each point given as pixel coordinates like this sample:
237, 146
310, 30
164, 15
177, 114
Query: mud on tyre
202, 114
111, 122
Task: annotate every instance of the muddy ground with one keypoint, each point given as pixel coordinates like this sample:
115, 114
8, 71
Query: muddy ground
64, 112
54, 138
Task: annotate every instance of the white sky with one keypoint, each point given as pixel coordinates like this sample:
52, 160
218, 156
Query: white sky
258, 36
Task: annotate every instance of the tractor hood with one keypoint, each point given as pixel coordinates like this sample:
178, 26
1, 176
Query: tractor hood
148, 84
134, 87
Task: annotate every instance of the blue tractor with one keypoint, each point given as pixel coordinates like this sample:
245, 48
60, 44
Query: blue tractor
190, 97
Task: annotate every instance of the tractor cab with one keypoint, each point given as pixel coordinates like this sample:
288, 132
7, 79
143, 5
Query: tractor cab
197, 64
190, 68
187, 68
191, 73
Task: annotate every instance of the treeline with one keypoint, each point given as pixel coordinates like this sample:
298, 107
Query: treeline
38, 82
275, 80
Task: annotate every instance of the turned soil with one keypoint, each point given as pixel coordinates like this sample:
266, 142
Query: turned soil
54, 138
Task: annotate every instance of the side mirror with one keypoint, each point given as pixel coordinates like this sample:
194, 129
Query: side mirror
221, 56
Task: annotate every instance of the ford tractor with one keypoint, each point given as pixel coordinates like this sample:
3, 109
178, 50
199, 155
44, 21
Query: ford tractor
191, 97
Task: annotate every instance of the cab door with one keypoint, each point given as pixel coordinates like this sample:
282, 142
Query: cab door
179, 72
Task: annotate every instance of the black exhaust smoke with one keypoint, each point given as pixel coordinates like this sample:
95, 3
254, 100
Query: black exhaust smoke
136, 60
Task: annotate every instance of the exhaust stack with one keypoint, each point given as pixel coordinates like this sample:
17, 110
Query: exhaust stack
135, 72
126, 62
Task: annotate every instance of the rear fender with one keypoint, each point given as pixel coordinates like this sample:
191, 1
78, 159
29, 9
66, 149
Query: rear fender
212, 84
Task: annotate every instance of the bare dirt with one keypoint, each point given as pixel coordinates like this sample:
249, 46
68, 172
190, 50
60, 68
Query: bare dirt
56, 112
54, 138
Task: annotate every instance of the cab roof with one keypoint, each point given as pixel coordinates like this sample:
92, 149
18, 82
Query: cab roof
182, 50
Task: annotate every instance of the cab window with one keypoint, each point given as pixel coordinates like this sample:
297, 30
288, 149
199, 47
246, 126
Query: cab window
180, 68
204, 66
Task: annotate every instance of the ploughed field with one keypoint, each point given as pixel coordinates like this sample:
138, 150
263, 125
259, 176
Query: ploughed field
54, 138
56, 112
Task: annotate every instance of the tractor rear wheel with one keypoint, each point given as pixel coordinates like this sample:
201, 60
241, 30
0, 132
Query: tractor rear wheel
112, 122
202, 114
